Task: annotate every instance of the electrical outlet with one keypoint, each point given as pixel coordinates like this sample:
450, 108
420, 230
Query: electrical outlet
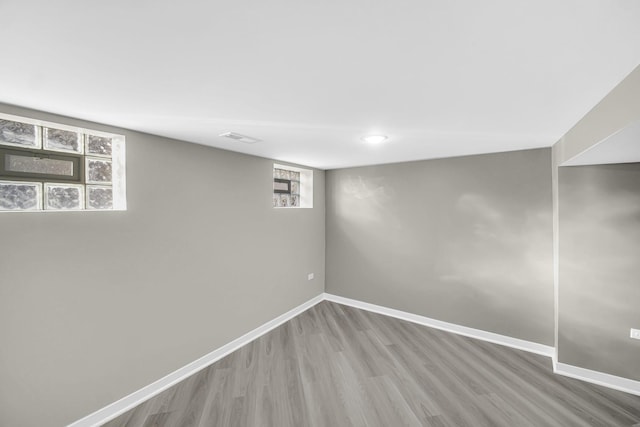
310, 276
635, 334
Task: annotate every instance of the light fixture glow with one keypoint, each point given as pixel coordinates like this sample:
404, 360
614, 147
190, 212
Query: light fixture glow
374, 139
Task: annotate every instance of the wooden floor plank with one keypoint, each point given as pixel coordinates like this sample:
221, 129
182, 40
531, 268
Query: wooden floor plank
335, 365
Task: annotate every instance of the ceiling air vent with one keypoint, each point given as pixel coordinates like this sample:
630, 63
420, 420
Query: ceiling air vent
238, 137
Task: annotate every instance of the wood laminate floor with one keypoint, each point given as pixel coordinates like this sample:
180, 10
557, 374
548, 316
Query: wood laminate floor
339, 366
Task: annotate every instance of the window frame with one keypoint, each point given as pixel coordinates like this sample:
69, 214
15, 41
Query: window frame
76, 159
282, 181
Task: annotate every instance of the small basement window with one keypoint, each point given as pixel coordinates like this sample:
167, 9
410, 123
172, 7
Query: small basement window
53, 167
292, 187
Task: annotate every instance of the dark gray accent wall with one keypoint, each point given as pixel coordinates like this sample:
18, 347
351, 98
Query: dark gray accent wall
465, 240
96, 305
599, 268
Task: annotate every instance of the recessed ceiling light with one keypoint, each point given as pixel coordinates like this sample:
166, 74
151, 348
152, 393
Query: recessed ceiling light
374, 139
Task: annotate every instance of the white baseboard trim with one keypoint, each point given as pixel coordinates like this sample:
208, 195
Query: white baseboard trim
519, 344
121, 406
599, 378
606, 380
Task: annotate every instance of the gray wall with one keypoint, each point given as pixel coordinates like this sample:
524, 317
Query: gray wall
466, 240
599, 268
95, 305
596, 336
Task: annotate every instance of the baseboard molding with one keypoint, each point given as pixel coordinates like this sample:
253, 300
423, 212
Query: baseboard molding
519, 344
606, 380
121, 406
599, 378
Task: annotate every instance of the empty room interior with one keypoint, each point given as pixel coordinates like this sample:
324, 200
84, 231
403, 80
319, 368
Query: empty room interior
280, 213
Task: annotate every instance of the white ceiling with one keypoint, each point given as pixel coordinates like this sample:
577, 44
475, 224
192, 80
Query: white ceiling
309, 78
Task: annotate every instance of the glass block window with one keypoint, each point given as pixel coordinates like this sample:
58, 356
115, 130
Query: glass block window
99, 197
19, 134
63, 140
20, 196
52, 167
98, 146
63, 196
292, 187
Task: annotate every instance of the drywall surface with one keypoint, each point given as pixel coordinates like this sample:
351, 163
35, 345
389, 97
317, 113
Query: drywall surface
95, 305
617, 110
599, 231
465, 240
